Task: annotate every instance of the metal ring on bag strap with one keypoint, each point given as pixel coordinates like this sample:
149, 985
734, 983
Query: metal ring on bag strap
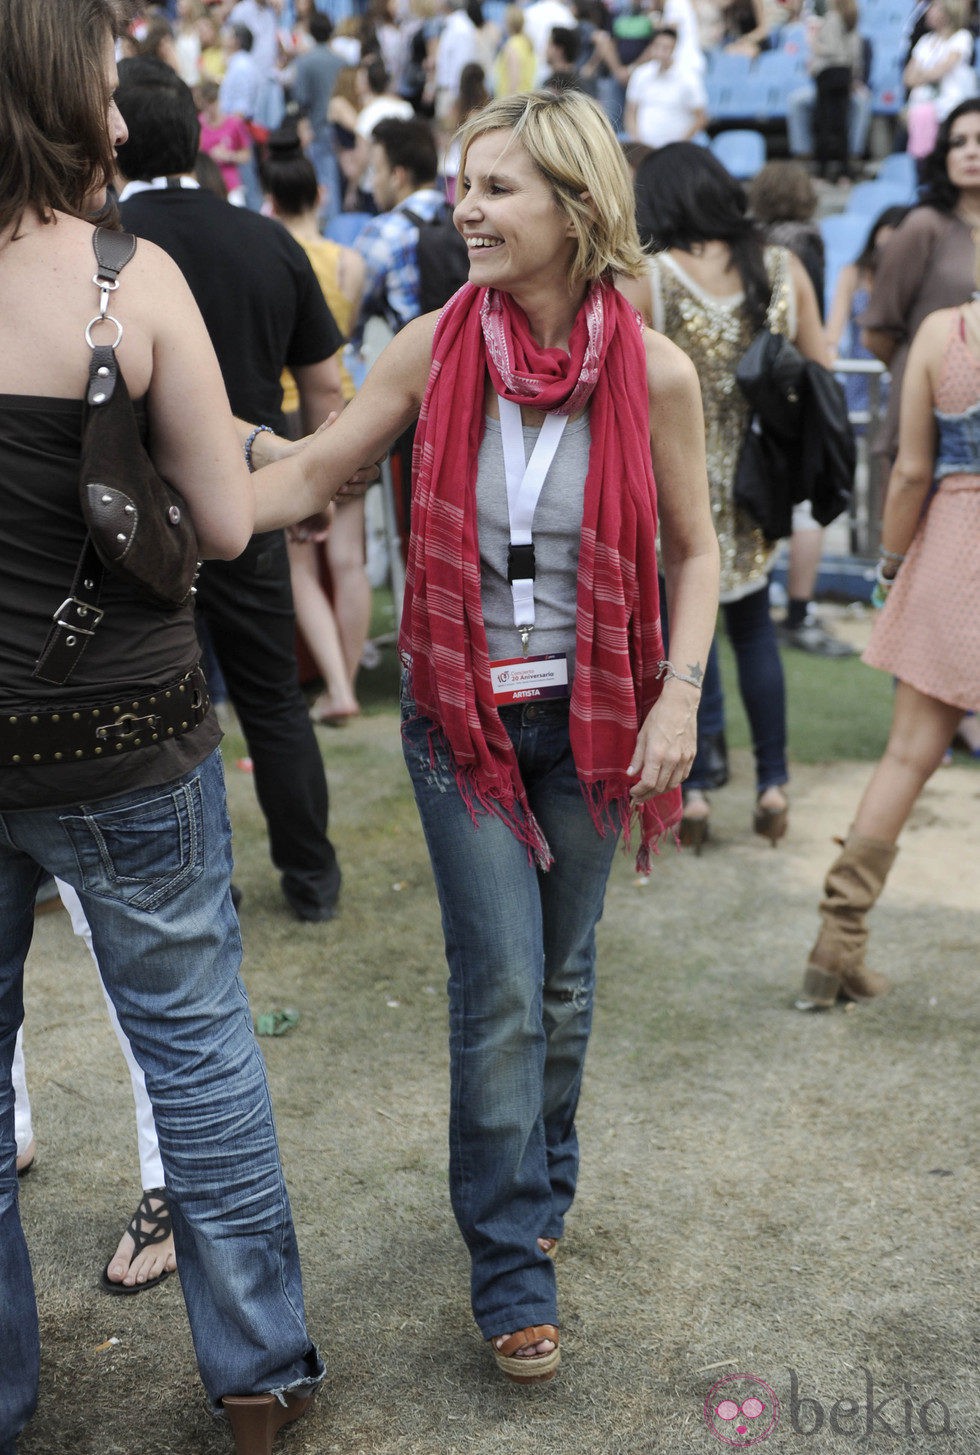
103, 318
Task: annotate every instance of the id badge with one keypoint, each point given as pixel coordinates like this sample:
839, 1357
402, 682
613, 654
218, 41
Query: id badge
528, 679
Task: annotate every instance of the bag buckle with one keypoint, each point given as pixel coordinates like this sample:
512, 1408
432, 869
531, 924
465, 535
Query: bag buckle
83, 609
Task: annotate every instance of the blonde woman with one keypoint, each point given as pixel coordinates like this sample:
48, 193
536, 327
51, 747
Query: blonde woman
539, 715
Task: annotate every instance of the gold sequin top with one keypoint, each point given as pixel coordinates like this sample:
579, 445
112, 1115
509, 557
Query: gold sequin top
714, 333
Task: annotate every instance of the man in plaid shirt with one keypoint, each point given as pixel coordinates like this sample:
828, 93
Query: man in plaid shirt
403, 164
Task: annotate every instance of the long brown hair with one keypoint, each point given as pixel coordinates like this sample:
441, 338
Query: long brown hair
55, 148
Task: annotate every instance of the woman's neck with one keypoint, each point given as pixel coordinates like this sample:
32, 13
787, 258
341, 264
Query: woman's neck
967, 208
303, 226
550, 314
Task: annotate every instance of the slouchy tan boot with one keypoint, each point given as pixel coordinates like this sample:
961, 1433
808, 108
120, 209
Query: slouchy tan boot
836, 966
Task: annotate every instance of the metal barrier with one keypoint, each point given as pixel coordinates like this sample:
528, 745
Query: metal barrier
870, 474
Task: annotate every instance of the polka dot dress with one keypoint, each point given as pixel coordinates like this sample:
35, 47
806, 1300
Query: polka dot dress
928, 633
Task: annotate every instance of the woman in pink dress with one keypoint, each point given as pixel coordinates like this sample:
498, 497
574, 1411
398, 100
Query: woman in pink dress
927, 636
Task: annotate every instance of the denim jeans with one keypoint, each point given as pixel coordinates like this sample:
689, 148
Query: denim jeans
761, 685
152, 870
520, 944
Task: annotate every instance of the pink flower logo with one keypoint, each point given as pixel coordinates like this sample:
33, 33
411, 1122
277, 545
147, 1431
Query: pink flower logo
741, 1410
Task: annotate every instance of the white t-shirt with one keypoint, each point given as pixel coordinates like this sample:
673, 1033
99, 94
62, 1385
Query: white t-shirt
458, 45
382, 108
540, 19
959, 83
666, 102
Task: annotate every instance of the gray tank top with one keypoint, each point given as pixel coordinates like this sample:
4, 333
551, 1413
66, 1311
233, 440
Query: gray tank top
556, 532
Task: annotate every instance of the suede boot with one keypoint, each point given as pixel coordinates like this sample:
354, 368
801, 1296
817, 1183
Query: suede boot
836, 967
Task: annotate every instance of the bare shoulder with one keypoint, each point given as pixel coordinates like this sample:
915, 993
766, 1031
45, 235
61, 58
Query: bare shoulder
670, 373
935, 327
637, 292
411, 347
153, 267
929, 343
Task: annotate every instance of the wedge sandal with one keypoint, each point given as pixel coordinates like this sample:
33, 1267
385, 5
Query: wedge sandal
529, 1369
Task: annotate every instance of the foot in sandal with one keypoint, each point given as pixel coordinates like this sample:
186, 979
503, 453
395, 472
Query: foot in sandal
529, 1355
145, 1256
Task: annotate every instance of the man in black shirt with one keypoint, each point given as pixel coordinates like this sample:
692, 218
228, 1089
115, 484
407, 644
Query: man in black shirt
264, 310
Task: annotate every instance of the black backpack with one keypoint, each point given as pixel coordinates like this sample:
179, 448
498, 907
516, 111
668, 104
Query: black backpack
444, 263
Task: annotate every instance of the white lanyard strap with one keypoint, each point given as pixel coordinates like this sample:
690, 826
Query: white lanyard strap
525, 481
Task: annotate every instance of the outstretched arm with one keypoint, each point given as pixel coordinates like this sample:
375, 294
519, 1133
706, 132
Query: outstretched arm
295, 483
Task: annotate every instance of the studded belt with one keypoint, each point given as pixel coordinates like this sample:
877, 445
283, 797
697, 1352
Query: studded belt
96, 730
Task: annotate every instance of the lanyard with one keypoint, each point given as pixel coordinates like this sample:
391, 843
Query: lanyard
525, 481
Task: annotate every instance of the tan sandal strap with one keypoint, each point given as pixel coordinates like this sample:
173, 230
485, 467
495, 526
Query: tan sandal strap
524, 1337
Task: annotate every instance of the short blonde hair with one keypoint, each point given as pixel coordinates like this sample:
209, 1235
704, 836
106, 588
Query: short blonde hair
570, 141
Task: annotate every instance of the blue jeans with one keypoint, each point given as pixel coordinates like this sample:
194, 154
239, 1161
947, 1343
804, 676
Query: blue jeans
152, 869
761, 685
521, 950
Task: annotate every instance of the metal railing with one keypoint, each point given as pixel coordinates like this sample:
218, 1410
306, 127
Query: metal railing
870, 474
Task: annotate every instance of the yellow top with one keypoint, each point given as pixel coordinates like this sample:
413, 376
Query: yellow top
325, 258
527, 66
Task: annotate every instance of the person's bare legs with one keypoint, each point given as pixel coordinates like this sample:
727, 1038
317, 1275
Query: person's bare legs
316, 620
920, 733
351, 587
805, 552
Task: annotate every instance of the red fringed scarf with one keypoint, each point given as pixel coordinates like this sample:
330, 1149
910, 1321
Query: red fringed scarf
618, 638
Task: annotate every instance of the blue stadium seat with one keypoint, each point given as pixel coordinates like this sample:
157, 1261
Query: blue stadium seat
742, 152
900, 168
346, 227
844, 235
780, 72
493, 12
867, 199
726, 66
886, 81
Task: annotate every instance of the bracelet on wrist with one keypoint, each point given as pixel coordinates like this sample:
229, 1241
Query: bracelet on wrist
895, 556
259, 429
693, 677
883, 584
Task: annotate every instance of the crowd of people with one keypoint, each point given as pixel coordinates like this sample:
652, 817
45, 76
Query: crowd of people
568, 425
645, 61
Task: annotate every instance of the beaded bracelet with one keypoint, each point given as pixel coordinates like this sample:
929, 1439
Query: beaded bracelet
895, 556
259, 429
667, 669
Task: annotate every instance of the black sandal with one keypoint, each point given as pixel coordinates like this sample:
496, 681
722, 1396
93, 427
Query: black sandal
147, 1226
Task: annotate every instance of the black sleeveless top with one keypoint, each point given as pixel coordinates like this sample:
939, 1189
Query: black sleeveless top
137, 646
